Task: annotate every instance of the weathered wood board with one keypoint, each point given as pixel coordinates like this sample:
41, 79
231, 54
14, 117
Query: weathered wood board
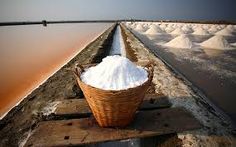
79, 107
84, 131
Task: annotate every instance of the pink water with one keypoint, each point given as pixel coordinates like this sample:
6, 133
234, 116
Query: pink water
30, 54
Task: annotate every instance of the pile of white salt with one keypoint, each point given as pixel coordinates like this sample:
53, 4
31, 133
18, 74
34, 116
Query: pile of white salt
181, 41
216, 42
115, 73
154, 30
200, 31
178, 31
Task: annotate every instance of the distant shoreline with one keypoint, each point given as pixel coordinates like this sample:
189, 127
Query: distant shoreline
45, 22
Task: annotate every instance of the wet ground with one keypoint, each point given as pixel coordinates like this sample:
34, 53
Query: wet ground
210, 70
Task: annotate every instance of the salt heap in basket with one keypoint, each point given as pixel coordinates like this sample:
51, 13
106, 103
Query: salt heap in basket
114, 89
115, 73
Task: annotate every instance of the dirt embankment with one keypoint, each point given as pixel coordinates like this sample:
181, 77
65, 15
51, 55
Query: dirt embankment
62, 85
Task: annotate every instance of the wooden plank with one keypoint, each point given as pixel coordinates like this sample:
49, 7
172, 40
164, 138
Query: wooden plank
85, 131
73, 107
79, 107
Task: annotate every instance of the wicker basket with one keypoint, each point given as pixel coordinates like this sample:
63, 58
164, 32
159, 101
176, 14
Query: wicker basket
114, 108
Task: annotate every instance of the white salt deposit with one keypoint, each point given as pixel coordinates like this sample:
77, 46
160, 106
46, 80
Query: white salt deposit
216, 42
140, 27
177, 31
154, 30
233, 44
230, 27
200, 31
50, 108
115, 73
213, 29
163, 26
169, 29
181, 41
187, 29
225, 32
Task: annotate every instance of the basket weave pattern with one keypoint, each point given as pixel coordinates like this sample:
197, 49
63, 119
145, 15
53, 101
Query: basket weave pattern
114, 108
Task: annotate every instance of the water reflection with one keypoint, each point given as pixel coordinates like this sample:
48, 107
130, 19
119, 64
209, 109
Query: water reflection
29, 54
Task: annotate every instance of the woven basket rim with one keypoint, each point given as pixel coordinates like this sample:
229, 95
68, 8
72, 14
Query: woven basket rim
150, 76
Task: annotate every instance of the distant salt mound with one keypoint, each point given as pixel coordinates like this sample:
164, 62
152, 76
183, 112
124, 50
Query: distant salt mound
213, 29
163, 26
139, 27
200, 31
216, 42
177, 31
169, 29
230, 27
181, 41
187, 29
154, 30
225, 32
133, 26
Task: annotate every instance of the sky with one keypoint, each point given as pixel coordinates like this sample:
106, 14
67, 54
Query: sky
37, 10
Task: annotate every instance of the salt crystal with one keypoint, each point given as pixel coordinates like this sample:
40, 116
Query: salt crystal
115, 73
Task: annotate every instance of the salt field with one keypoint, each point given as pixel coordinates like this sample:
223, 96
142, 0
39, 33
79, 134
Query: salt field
59, 101
118, 73
204, 53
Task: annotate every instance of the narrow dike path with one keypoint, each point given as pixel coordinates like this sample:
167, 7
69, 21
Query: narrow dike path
118, 46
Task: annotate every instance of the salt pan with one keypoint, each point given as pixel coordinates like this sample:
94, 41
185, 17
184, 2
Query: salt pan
115, 73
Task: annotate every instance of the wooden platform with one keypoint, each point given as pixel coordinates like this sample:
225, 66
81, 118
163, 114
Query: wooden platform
73, 124
85, 130
79, 107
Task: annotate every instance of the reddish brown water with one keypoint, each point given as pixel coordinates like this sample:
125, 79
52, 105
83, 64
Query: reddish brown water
30, 54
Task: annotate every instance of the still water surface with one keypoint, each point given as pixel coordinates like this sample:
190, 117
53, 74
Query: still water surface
212, 71
30, 54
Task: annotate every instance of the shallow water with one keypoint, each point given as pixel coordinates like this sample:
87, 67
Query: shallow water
31, 53
212, 71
